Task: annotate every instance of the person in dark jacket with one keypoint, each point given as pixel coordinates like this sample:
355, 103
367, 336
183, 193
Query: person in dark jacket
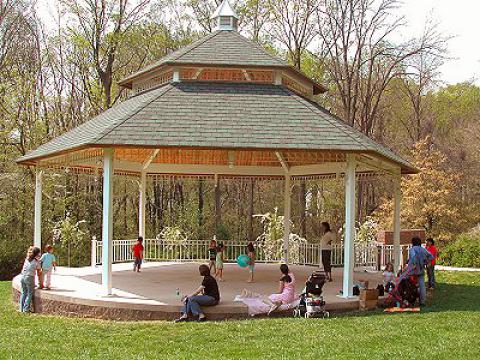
207, 294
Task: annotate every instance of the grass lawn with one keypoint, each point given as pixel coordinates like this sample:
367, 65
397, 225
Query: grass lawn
449, 329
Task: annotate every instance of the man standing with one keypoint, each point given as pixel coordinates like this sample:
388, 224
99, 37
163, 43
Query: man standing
418, 258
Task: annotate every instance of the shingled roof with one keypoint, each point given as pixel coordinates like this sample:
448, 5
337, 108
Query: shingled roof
221, 48
218, 115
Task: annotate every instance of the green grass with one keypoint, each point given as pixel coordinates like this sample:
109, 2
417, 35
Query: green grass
449, 329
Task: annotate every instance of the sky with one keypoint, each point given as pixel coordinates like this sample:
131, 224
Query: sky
456, 18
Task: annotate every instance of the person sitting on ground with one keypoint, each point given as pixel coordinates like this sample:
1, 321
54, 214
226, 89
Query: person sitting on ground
418, 258
48, 262
389, 278
431, 248
251, 264
219, 262
212, 256
326, 242
286, 290
27, 280
206, 295
137, 251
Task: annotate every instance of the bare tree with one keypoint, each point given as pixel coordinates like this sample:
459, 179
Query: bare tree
202, 11
292, 24
422, 76
101, 25
360, 56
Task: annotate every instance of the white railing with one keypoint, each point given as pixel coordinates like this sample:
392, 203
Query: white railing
371, 256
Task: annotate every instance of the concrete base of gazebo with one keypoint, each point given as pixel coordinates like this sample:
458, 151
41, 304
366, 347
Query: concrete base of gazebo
151, 294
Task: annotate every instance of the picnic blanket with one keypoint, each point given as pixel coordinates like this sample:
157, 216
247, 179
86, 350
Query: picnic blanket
257, 306
399, 310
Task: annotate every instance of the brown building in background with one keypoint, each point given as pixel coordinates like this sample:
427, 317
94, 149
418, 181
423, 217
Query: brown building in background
386, 237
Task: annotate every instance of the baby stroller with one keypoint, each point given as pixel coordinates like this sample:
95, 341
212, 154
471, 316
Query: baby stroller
311, 300
405, 292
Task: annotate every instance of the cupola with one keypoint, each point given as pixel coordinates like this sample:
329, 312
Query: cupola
225, 17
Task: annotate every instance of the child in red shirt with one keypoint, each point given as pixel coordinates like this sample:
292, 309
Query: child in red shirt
430, 247
137, 251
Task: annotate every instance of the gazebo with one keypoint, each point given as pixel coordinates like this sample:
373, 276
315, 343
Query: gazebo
221, 106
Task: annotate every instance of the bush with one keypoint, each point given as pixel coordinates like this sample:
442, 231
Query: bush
463, 252
12, 255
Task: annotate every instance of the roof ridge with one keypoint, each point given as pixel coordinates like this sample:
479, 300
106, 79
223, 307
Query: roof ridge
107, 131
317, 106
168, 57
193, 46
259, 47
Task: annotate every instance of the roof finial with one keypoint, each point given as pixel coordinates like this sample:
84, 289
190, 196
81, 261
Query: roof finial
225, 17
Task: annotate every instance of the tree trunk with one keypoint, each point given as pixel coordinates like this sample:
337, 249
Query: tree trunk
200, 208
218, 205
250, 210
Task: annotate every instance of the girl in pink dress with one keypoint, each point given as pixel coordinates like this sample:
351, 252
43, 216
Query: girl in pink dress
286, 290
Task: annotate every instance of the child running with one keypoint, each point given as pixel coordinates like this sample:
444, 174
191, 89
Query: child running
137, 251
49, 263
219, 262
30, 266
212, 256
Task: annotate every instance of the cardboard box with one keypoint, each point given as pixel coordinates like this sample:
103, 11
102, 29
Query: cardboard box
369, 294
368, 304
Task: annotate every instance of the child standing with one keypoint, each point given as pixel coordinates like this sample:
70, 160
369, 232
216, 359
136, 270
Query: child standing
432, 249
137, 251
251, 264
219, 261
49, 263
30, 266
212, 256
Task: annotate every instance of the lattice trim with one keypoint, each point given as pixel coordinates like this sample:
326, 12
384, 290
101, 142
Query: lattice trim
296, 87
148, 84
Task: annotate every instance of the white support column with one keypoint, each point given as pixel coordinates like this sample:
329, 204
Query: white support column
107, 221
349, 241
141, 204
396, 224
286, 216
37, 231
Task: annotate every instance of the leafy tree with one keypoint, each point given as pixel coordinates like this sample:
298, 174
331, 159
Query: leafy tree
428, 198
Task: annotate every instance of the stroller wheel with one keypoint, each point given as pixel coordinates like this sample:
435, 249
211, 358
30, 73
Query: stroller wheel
307, 315
326, 315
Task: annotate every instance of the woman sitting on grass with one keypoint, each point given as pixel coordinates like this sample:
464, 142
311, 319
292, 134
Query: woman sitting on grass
206, 295
30, 267
286, 290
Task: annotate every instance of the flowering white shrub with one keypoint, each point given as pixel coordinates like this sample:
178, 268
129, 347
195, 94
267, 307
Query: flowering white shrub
271, 240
